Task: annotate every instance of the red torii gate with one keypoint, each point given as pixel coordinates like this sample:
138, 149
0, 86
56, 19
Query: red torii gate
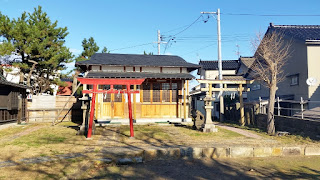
115, 81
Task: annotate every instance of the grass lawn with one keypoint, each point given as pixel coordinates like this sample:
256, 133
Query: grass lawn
44, 140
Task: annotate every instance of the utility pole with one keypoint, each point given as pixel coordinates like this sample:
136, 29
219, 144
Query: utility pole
159, 42
219, 59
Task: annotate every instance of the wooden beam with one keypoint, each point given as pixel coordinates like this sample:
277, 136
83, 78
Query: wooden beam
225, 89
225, 81
108, 81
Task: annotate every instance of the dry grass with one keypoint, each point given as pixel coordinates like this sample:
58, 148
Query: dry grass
47, 140
290, 139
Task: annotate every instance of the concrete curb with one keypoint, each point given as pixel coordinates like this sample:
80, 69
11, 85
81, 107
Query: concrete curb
134, 156
214, 152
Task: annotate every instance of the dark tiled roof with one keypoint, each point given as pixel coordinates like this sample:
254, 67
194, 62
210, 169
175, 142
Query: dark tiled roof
137, 60
247, 61
139, 75
235, 78
300, 32
226, 65
5, 82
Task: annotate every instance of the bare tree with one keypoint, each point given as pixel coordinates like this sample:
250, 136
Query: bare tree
272, 52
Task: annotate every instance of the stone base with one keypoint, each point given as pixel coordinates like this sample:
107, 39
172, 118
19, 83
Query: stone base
83, 129
209, 128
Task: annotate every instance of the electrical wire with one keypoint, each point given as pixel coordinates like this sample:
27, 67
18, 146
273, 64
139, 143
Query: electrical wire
204, 47
131, 46
173, 36
244, 14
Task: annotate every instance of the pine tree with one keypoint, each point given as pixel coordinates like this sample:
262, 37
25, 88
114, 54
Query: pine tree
39, 42
89, 48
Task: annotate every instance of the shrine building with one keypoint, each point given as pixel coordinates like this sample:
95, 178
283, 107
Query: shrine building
159, 86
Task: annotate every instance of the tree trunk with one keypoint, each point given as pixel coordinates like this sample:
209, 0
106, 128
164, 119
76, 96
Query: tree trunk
270, 121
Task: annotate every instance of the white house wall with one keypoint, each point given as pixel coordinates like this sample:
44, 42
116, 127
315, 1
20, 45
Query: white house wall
112, 68
212, 74
171, 70
313, 71
296, 64
137, 69
151, 69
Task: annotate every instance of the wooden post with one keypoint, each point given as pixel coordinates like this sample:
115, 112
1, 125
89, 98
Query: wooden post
185, 101
134, 103
130, 111
93, 103
170, 91
241, 106
141, 93
151, 93
112, 103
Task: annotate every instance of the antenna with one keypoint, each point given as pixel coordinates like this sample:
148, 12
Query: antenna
238, 50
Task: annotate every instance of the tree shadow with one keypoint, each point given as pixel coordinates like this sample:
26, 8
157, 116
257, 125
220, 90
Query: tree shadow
164, 169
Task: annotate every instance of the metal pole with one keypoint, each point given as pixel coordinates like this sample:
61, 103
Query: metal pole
219, 61
301, 108
260, 104
278, 100
219, 47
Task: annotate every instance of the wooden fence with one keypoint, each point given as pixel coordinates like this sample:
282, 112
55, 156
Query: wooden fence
46, 109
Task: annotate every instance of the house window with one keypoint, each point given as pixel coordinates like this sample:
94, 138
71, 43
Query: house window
256, 87
156, 92
165, 92
294, 80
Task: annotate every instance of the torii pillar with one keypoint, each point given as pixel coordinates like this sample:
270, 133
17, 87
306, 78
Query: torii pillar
96, 81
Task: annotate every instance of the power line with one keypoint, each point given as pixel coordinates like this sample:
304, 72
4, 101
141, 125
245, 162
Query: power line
204, 47
244, 14
131, 46
173, 36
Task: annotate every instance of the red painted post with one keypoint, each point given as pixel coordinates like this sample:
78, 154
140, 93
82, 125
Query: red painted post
130, 110
93, 102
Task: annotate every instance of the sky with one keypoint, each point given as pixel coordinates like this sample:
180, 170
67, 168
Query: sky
130, 26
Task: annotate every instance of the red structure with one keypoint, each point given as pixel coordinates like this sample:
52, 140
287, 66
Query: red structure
116, 81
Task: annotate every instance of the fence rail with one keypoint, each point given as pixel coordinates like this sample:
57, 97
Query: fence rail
46, 114
303, 111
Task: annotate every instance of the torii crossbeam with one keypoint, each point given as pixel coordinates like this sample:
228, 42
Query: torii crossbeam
115, 81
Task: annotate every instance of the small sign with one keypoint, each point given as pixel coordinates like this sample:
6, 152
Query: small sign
29, 96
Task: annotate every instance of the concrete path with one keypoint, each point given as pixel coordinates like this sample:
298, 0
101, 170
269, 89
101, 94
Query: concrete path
15, 136
239, 131
7, 125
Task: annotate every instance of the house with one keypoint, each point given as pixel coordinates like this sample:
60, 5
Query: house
162, 94
12, 101
302, 66
67, 89
209, 69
